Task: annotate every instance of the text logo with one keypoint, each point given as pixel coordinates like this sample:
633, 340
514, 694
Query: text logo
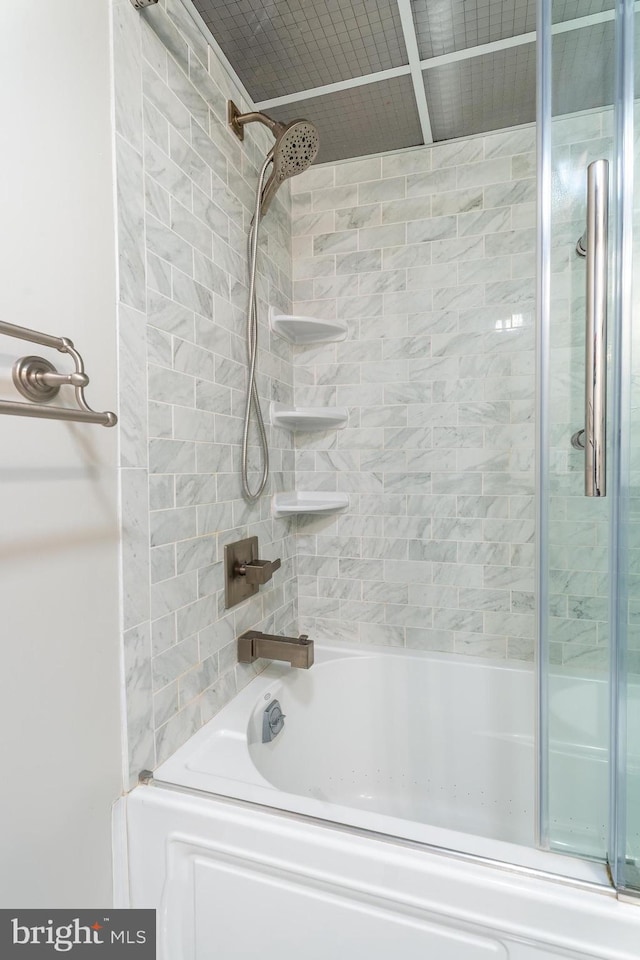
39, 933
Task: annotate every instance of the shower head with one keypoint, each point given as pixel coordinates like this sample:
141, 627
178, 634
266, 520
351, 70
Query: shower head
295, 149
293, 152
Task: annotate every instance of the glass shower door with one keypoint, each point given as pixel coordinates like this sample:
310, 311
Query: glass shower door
577, 140
589, 529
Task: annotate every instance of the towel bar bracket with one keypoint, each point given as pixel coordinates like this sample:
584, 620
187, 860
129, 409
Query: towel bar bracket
39, 381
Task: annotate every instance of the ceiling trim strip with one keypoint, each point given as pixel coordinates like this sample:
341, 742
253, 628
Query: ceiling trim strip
471, 52
335, 87
413, 54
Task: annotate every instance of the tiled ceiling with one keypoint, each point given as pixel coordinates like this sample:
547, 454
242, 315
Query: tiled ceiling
362, 120
458, 25
283, 46
377, 75
483, 93
588, 54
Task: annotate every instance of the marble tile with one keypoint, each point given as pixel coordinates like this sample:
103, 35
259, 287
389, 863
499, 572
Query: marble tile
510, 143
390, 235
190, 162
344, 242
171, 456
179, 84
167, 245
314, 223
156, 127
191, 228
457, 202
433, 228
509, 194
153, 50
192, 294
357, 171
157, 201
130, 225
217, 696
375, 191
458, 153
132, 387
410, 161
139, 702
402, 211
206, 86
177, 730
485, 222
164, 100
354, 218
134, 548
162, 169
163, 562
484, 172
169, 36
334, 198
436, 181
127, 52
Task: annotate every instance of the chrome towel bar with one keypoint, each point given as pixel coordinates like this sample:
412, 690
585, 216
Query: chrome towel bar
38, 380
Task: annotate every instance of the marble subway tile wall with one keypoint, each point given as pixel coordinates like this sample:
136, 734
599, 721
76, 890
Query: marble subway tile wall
429, 256
185, 191
579, 526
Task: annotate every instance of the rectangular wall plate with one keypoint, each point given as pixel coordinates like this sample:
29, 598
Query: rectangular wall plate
236, 588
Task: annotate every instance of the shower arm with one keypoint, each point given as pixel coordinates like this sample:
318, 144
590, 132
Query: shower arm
238, 120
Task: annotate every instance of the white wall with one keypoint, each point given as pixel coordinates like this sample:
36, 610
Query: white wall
59, 676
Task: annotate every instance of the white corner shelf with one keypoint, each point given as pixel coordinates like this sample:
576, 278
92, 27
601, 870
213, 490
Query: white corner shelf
317, 502
308, 418
306, 329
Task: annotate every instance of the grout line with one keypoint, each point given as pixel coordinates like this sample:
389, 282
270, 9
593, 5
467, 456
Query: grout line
411, 41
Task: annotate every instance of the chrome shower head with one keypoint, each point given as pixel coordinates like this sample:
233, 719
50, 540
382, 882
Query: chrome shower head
295, 149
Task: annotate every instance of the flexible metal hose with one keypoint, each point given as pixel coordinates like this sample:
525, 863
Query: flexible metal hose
253, 400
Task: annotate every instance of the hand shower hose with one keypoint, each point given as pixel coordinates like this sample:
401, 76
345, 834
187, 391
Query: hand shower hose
252, 399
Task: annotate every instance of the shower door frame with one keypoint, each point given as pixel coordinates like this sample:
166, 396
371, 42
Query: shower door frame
621, 463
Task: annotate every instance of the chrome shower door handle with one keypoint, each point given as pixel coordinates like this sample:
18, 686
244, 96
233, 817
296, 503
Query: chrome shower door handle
595, 438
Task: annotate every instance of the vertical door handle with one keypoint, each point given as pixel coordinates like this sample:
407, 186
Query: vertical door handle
595, 437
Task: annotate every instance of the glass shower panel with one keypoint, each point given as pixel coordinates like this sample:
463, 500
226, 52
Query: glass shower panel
574, 528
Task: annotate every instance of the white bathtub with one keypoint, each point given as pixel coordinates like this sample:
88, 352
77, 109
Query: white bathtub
433, 750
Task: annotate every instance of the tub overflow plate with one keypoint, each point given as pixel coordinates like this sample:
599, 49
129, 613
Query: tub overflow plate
272, 721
